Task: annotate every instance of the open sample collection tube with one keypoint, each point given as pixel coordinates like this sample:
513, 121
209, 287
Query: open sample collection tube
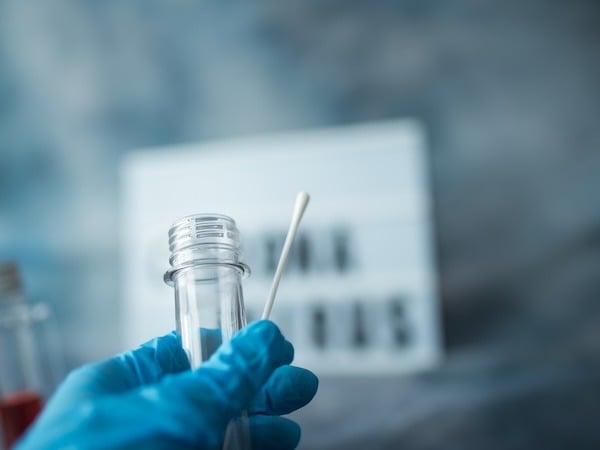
207, 276
209, 305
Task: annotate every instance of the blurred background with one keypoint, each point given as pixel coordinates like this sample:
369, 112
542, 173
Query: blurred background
508, 93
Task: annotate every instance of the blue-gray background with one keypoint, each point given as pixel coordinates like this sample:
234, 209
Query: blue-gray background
509, 92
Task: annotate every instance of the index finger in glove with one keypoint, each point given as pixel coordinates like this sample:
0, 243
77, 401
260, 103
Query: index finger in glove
289, 388
147, 364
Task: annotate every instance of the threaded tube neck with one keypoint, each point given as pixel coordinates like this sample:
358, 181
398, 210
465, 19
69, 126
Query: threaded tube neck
201, 239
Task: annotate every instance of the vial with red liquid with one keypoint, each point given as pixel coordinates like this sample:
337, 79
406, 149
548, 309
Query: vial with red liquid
24, 377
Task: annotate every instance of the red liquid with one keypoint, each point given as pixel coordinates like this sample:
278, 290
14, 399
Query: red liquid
17, 411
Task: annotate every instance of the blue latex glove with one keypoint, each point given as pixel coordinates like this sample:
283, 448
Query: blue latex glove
147, 398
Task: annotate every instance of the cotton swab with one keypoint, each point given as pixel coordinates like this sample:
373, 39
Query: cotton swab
301, 201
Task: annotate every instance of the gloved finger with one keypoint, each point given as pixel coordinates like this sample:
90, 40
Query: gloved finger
153, 360
197, 405
274, 433
159, 357
288, 389
145, 365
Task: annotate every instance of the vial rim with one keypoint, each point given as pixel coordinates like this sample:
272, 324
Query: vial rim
203, 228
169, 276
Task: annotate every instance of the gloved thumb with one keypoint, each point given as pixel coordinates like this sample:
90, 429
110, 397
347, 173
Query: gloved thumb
206, 399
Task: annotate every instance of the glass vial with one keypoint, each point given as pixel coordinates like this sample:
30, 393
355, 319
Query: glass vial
209, 305
22, 384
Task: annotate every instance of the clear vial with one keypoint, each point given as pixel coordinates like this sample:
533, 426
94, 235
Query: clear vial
23, 344
207, 274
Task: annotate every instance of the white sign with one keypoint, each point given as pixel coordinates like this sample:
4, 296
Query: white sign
358, 295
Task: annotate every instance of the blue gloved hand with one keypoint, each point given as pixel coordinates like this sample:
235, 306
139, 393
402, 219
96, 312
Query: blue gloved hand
147, 398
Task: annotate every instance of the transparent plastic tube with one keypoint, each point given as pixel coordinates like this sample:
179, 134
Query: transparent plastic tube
23, 343
209, 304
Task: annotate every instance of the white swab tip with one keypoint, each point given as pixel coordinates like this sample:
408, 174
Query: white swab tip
302, 200
303, 197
